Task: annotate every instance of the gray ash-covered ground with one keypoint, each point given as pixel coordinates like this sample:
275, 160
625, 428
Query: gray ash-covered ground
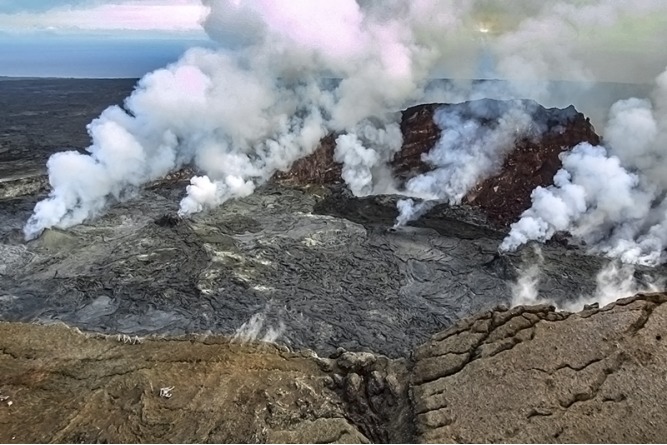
40, 116
317, 264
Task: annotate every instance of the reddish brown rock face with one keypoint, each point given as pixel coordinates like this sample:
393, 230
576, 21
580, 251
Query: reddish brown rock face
420, 134
317, 168
506, 195
532, 162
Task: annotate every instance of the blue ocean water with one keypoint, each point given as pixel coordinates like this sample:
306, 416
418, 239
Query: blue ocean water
87, 57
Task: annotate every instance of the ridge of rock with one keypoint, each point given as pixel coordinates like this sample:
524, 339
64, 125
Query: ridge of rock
534, 375
502, 197
526, 374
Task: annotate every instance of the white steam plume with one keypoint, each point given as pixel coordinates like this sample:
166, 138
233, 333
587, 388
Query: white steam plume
255, 330
611, 198
612, 282
525, 290
408, 210
265, 97
364, 155
470, 149
615, 281
248, 109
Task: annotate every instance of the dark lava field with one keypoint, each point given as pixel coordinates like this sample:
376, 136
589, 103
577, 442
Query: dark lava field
308, 265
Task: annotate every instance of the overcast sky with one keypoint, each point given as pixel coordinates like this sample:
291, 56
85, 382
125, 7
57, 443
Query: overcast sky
95, 38
103, 15
127, 38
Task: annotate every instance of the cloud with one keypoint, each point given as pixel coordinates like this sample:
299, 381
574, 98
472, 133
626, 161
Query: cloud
12, 6
151, 15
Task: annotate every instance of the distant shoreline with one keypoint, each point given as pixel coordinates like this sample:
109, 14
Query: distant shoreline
441, 79
15, 78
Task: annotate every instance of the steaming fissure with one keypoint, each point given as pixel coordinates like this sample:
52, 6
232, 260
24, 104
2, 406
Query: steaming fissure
287, 74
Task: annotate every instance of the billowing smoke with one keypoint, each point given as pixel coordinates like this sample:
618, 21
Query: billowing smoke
365, 154
591, 194
288, 72
617, 280
612, 198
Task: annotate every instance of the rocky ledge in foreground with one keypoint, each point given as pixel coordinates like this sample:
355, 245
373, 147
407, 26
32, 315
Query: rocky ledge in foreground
534, 375
532, 162
528, 374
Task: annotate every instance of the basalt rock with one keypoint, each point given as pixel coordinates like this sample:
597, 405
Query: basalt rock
521, 375
61, 386
314, 261
532, 162
317, 168
318, 268
534, 375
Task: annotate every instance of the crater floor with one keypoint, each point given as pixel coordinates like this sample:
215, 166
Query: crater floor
311, 266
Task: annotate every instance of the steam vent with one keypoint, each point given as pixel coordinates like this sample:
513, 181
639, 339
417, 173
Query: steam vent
349, 221
346, 309
532, 162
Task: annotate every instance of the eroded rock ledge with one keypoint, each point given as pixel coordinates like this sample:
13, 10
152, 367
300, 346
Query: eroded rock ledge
532, 162
529, 374
534, 375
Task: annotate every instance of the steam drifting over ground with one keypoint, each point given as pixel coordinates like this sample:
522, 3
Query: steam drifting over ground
265, 97
611, 198
256, 329
613, 281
